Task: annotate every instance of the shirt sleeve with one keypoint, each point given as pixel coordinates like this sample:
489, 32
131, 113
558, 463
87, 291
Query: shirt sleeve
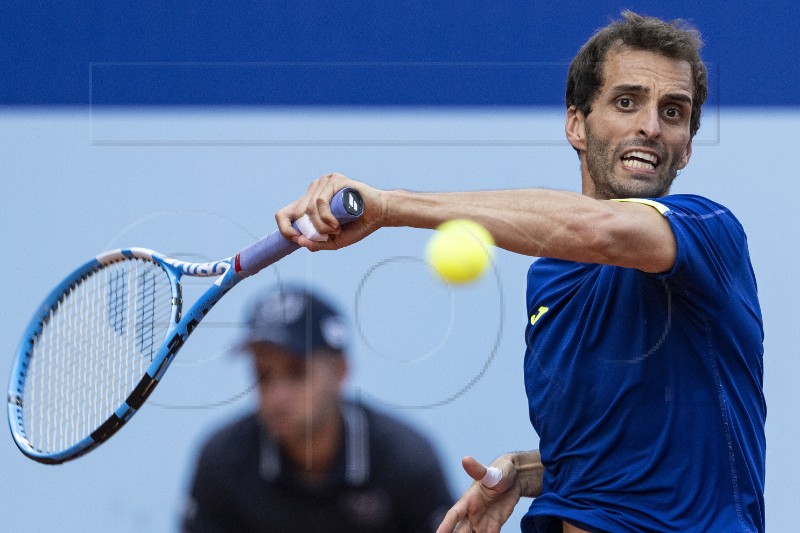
711, 250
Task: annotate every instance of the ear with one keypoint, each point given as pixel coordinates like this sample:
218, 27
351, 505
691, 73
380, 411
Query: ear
576, 128
340, 368
687, 154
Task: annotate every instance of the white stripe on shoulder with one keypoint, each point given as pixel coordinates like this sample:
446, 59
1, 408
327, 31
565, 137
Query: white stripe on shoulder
661, 208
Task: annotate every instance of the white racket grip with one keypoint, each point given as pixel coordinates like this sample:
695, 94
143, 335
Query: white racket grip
492, 477
347, 205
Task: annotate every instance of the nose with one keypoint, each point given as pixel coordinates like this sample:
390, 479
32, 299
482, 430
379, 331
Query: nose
279, 392
649, 123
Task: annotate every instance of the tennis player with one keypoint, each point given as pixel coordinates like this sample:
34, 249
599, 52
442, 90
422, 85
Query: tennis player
643, 366
309, 460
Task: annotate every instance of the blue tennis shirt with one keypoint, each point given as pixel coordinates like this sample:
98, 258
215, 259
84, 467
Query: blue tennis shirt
646, 390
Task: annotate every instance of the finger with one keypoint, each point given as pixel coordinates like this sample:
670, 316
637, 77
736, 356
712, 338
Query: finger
288, 215
451, 520
326, 221
447, 527
311, 214
488, 476
304, 225
472, 467
463, 527
284, 218
318, 208
492, 478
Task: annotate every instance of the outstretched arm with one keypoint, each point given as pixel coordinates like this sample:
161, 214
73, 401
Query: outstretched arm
485, 509
535, 222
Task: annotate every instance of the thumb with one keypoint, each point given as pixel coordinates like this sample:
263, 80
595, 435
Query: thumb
472, 467
489, 477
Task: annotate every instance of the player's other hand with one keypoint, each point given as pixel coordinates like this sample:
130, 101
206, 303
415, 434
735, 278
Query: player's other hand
483, 509
316, 204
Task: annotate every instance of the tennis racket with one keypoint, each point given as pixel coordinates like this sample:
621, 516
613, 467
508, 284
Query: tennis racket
104, 337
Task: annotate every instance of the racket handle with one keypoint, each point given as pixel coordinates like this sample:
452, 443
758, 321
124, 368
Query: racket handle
347, 205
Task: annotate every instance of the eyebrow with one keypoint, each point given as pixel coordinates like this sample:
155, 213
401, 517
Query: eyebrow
633, 88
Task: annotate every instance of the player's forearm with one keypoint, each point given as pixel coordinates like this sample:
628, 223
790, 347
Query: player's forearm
535, 222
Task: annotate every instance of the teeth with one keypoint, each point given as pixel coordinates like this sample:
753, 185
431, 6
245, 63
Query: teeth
643, 155
638, 164
640, 160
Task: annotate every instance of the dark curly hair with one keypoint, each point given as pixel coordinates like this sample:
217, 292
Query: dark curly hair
676, 40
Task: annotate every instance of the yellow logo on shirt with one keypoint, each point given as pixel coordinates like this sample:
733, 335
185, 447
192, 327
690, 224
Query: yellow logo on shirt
538, 314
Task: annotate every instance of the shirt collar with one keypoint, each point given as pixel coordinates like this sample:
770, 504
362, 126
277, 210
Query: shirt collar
356, 442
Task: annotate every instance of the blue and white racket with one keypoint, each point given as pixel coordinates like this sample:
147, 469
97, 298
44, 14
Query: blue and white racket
103, 338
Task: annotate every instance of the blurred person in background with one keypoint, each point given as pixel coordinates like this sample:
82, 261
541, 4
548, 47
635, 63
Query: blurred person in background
308, 459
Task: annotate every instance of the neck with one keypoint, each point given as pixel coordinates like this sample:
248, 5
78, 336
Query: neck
315, 454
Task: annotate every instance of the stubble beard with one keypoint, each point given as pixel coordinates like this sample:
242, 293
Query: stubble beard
601, 162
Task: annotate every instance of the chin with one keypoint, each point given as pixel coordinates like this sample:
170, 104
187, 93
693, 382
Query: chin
281, 428
641, 186
643, 192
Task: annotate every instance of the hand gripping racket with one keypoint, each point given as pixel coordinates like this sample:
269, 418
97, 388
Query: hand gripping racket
103, 338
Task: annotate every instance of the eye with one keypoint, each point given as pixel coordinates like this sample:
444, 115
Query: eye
673, 113
292, 374
625, 102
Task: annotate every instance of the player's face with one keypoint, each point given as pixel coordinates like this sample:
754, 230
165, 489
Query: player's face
636, 138
297, 394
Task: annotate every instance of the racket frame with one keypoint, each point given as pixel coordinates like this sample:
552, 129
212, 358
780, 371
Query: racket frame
347, 206
181, 326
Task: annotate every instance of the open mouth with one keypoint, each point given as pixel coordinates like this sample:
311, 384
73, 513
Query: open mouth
637, 160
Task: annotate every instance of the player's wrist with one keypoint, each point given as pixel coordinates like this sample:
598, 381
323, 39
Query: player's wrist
396, 203
412, 209
400, 208
529, 472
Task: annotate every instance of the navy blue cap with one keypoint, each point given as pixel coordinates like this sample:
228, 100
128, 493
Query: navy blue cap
296, 320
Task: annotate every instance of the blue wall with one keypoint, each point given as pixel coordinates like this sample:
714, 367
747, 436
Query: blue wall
325, 52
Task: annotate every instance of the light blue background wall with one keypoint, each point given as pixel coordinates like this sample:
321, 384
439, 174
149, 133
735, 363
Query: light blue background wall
71, 191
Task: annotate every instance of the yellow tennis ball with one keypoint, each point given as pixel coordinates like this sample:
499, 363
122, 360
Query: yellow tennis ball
460, 250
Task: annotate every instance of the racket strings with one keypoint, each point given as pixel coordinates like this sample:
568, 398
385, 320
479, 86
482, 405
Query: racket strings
94, 348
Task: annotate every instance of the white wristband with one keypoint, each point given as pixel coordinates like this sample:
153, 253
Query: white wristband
492, 477
304, 225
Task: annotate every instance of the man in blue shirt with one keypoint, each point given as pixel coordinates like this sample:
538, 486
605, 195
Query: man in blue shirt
643, 366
